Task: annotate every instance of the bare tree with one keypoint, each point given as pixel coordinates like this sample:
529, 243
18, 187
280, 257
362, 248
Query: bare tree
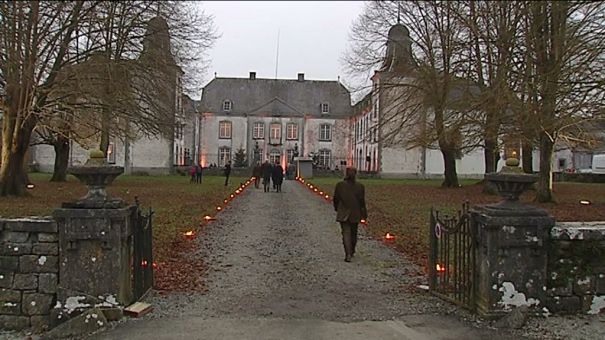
428, 92
129, 88
34, 44
564, 54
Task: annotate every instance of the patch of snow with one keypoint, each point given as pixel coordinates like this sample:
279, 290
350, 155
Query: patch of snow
509, 229
495, 287
585, 281
94, 315
33, 303
16, 249
2, 276
93, 259
554, 275
58, 305
598, 303
10, 304
531, 238
423, 287
42, 260
100, 323
73, 302
511, 297
546, 313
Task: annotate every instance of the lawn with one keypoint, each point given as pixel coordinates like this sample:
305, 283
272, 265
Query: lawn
179, 206
402, 207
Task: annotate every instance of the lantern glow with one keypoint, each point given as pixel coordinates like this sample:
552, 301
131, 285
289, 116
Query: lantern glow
363, 221
189, 234
144, 263
440, 268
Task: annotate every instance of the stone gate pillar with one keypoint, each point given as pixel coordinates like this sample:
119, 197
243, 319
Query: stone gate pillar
94, 244
511, 253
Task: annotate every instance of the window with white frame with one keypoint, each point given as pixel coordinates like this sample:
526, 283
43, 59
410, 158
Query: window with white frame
292, 131
224, 156
290, 153
275, 131
258, 130
275, 156
325, 108
325, 132
224, 129
324, 158
227, 105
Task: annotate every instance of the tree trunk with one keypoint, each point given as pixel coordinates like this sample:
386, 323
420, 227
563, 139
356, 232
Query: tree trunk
449, 161
528, 158
15, 142
61, 147
489, 153
544, 193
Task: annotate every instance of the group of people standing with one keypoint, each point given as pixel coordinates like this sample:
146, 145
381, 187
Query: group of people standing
269, 173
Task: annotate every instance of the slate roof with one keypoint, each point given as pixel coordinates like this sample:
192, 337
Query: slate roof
282, 97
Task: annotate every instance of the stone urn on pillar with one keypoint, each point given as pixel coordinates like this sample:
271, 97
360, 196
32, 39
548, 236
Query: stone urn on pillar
95, 236
96, 174
511, 246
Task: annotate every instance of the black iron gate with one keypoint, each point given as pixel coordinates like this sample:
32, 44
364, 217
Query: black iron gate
142, 251
452, 257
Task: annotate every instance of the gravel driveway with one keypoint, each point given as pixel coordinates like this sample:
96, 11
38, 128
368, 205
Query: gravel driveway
279, 256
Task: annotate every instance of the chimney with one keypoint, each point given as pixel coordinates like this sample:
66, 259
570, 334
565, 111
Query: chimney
252, 75
301, 77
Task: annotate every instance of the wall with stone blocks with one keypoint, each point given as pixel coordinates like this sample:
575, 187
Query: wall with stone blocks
576, 268
29, 269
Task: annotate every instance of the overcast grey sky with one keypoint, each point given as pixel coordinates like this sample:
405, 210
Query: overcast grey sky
313, 37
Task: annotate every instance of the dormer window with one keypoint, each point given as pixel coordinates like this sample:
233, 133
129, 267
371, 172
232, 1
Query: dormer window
227, 105
325, 108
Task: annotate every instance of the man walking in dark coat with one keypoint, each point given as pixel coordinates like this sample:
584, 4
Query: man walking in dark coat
350, 205
266, 171
277, 176
227, 172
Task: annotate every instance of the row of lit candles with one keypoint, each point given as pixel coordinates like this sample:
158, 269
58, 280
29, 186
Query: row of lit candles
388, 237
190, 234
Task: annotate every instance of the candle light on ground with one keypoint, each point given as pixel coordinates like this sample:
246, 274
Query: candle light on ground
363, 221
209, 218
219, 208
389, 237
225, 201
30, 186
585, 202
440, 268
189, 234
232, 195
327, 197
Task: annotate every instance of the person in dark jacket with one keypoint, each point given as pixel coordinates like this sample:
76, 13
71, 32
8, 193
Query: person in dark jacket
266, 170
257, 173
227, 171
277, 176
350, 205
198, 173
